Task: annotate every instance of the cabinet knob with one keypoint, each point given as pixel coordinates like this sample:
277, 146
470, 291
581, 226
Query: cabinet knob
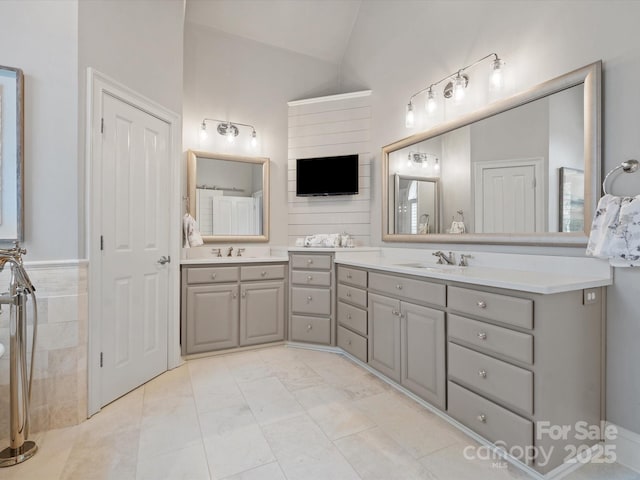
482, 418
349, 342
482, 373
263, 273
213, 276
309, 299
309, 261
482, 304
395, 312
348, 316
482, 335
309, 278
399, 286
309, 327
349, 293
349, 275
244, 294
235, 295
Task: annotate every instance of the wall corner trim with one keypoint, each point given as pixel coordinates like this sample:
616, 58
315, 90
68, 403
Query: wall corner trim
330, 98
627, 448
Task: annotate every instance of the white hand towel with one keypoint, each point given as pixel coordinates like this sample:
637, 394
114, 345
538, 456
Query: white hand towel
615, 232
192, 237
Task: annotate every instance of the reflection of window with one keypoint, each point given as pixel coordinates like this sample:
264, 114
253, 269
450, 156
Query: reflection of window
412, 197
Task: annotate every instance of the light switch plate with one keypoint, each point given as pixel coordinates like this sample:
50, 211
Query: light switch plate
590, 295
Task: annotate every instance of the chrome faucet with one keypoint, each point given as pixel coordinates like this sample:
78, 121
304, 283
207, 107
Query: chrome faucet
463, 260
230, 251
216, 251
444, 259
239, 252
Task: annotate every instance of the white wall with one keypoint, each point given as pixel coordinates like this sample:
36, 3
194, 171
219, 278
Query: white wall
41, 38
231, 78
539, 40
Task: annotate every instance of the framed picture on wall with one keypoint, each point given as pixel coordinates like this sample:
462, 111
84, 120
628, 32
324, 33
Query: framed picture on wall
11, 154
571, 200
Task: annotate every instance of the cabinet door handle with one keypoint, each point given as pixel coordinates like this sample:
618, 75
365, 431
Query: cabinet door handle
244, 294
309, 327
309, 299
482, 304
309, 278
348, 316
396, 313
263, 273
399, 286
482, 373
482, 335
349, 342
213, 276
235, 295
482, 418
349, 275
349, 293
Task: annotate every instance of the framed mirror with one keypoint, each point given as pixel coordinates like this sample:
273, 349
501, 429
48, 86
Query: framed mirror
416, 205
228, 195
501, 173
11, 154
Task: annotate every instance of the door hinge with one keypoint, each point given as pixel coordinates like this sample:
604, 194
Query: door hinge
101, 359
101, 242
102, 125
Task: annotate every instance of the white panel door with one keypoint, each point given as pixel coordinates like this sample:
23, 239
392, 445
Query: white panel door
509, 197
135, 231
243, 216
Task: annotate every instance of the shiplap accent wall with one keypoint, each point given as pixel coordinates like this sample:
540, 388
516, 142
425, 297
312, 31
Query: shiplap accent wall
326, 127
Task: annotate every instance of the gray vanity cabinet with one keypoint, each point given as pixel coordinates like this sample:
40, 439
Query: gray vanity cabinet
261, 312
212, 312
384, 335
229, 306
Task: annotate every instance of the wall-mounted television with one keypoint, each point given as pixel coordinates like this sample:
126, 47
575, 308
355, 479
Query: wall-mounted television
326, 176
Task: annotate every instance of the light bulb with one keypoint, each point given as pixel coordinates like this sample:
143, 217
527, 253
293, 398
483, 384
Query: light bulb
254, 139
409, 162
203, 131
459, 86
410, 119
432, 104
496, 81
436, 167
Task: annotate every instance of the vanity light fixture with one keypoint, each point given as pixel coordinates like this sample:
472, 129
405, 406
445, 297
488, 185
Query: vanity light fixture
455, 87
229, 130
422, 160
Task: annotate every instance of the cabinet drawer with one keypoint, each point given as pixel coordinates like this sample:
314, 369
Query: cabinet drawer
262, 272
319, 279
352, 295
488, 419
509, 384
311, 300
352, 343
503, 341
310, 329
352, 276
318, 262
411, 289
212, 275
501, 308
352, 317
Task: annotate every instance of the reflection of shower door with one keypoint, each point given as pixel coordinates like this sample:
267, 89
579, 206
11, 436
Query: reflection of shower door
233, 215
508, 197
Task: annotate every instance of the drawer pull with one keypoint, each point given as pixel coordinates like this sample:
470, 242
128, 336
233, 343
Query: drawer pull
309, 278
309, 299
482, 418
349, 342
244, 294
309, 327
482, 373
482, 335
396, 313
349, 294
213, 276
482, 304
348, 316
235, 295
263, 273
309, 261
399, 286
349, 275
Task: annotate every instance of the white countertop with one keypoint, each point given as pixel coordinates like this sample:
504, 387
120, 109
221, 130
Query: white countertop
524, 277
232, 260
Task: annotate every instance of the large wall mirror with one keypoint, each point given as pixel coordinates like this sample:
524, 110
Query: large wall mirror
524, 170
11, 154
229, 196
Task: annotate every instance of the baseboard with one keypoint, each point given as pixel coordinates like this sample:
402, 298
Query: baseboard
627, 448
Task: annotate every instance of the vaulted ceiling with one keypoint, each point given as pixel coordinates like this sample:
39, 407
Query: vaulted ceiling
320, 29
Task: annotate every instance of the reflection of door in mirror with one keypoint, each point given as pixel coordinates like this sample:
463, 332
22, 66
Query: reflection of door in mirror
416, 205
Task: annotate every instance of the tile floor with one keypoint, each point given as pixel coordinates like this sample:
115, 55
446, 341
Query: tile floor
277, 413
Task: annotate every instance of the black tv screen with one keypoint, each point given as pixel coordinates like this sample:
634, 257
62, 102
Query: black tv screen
327, 176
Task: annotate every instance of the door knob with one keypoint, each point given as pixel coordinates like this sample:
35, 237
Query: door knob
164, 260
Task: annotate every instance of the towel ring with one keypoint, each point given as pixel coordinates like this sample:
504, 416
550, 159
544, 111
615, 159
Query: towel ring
629, 166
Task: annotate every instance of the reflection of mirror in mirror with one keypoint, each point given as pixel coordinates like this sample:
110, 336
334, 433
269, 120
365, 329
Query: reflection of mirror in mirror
502, 171
501, 165
416, 205
228, 196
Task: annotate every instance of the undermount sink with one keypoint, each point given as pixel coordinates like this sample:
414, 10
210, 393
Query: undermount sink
431, 267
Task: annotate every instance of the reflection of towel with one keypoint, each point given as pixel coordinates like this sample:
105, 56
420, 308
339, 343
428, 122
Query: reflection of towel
458, 227
192, 237
322, 240
615, 231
